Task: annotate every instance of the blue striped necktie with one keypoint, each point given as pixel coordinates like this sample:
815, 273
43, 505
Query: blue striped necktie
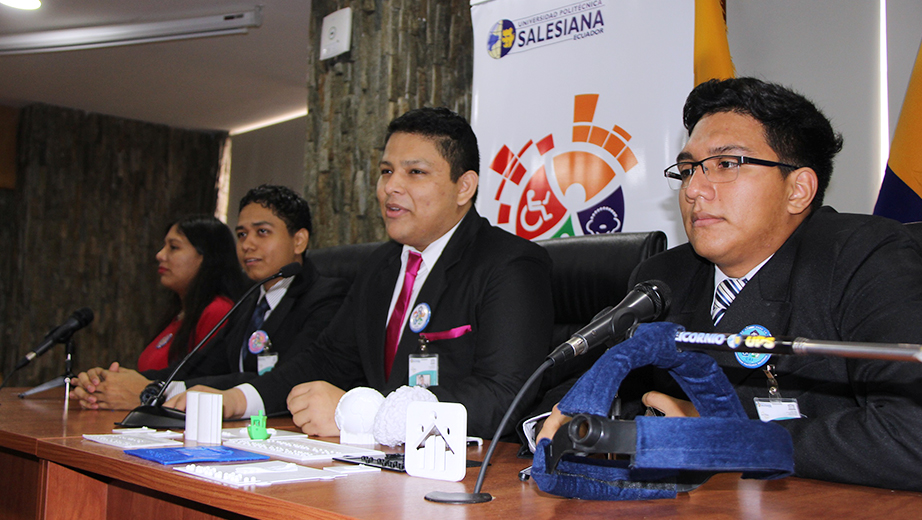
726, 293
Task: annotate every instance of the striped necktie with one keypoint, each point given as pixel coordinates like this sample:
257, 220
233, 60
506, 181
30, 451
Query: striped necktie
724, 296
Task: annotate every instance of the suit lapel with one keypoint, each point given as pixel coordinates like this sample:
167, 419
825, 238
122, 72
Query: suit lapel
765, 300
236, 330
432, 292
376, 302
301, 284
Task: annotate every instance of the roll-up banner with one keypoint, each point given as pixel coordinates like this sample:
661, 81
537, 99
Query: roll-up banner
577, 108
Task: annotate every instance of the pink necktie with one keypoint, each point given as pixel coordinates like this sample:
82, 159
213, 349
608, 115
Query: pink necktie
400, 311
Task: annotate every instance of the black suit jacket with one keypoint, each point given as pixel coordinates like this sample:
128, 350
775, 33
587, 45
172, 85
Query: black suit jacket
497, 283
307, 308
838, 277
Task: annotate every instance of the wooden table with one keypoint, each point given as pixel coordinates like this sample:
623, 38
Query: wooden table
47, 470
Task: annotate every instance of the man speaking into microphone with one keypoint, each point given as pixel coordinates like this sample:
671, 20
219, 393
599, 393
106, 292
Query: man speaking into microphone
765, 257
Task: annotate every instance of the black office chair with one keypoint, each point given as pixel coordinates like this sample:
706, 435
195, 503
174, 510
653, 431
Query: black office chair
916, 229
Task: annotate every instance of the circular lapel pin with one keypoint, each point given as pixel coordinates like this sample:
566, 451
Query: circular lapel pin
258, 341
419, 318
751, 359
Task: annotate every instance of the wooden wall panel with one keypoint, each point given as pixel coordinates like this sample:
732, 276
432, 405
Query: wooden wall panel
94, 195
9, 117
405, 54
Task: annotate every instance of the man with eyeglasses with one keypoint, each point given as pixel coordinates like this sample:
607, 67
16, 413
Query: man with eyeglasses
765, 257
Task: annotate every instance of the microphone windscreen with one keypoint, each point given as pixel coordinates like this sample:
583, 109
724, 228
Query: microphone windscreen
84, 316
291, 269
661, 295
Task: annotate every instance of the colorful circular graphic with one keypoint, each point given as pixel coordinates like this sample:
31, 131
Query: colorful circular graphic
552, 189
419, 318
258, 341
500, 39
751, 359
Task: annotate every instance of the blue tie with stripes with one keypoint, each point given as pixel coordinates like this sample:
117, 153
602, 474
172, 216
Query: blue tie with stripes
726, 293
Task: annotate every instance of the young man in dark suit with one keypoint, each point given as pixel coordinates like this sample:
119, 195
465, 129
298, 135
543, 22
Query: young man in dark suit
765, 257
273, 230
484, 293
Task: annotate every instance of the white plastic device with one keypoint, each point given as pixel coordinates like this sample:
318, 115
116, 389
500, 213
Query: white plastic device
336, 33
436, 441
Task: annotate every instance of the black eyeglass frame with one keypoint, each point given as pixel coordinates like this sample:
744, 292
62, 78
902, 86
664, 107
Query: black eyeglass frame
741, 159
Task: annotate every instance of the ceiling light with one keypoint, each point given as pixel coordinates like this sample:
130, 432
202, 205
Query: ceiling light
130, 34
22, 4
269, 122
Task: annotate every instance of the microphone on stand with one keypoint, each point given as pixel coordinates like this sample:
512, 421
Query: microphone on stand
647, 301
60, 334
152, 413
79, 319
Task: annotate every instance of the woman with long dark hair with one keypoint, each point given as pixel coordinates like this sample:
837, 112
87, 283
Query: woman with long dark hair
198, 262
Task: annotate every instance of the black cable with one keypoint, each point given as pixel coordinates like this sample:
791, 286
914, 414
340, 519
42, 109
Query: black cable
502, 424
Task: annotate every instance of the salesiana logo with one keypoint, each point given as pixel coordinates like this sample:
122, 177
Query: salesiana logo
567, 23
574, 190
502, 35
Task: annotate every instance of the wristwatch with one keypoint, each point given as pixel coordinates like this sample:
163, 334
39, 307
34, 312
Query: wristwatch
149, 394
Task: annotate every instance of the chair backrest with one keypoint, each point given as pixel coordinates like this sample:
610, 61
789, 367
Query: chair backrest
916, 229
591, 272
342, 261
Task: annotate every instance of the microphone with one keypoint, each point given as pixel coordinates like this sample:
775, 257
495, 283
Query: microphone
151, 413
686, 340
61, 334
647, 301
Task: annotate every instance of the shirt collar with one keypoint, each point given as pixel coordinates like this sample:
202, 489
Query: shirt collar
719, 275
434, 250
275, 293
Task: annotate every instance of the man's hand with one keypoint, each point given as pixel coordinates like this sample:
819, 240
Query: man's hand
670, 406
312, 406
235, 403
114, 389
551, 424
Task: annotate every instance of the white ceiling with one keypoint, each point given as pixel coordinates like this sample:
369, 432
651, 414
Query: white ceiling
220, 83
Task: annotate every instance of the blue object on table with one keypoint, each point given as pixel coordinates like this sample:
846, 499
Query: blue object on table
195, 454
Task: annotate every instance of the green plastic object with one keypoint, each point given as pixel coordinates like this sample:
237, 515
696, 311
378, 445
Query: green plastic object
257, 428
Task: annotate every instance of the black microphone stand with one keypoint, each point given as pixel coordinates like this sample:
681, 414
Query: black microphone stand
477, 497
62, 380
152, 413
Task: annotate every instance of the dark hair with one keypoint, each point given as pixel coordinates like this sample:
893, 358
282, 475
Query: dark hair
452, 134
284, 204
794, 127
219, 275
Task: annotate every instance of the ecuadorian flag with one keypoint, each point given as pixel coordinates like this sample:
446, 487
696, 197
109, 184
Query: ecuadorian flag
900, 195
712, 52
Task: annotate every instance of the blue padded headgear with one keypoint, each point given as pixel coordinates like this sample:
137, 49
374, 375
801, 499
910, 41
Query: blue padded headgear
668, 450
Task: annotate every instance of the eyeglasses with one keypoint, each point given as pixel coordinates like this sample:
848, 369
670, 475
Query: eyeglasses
717, 169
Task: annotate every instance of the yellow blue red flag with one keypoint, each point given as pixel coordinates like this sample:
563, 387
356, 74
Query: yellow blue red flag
900, 196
